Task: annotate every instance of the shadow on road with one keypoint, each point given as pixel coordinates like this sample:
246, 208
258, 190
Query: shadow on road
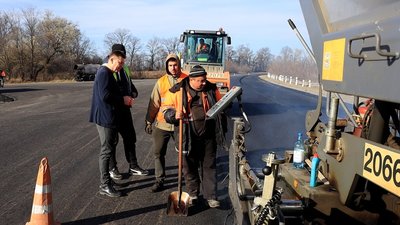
16, 90
116, 216
7, 98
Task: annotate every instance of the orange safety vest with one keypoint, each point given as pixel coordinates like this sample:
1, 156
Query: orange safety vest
164, 86
203, 47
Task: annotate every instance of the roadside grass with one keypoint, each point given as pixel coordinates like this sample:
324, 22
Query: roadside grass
67, 77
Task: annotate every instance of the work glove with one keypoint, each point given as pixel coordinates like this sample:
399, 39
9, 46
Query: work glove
148, 127
169, 116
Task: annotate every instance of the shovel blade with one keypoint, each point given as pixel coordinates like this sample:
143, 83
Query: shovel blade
176, 207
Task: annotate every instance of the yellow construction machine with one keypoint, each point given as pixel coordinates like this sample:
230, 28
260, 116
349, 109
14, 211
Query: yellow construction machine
208, 49
356, 46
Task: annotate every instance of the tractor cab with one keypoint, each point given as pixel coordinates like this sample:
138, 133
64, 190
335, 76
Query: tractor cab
208, 49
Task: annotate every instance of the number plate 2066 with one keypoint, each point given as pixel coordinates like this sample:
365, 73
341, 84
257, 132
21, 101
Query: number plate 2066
382, 167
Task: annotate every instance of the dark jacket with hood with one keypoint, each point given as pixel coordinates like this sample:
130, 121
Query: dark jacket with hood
215, 128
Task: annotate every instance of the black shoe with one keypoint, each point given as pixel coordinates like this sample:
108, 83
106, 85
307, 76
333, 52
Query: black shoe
193, 200
158, 186
138, 171
115, 174
109, 191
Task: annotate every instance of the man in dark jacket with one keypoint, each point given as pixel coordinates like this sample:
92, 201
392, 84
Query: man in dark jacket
125, 127
201, 135
106, 98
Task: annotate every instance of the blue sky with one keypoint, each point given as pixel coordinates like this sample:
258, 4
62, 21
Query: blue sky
253, 23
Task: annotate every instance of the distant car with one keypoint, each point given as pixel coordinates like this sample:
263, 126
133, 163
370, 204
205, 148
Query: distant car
85, 72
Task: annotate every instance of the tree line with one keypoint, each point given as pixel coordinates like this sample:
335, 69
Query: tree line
38, 45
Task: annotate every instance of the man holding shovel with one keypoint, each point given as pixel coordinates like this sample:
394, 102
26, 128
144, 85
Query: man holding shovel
163, 131
200, 134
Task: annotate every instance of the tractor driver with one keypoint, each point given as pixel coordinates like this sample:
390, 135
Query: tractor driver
202, 47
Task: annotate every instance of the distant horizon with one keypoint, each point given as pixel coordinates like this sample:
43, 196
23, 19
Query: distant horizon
257, 25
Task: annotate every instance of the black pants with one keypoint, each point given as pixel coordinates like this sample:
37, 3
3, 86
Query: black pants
127, 131
199, 167
160, 145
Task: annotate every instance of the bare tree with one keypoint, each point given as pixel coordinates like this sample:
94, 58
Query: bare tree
244, 58
133, 51
294, 63
154, 48
40, 44
19, 47
131, 43
119, 36
54, 34
230, 53
31, 22
6, 41
309, 68
171, 45
80, 48
262, 60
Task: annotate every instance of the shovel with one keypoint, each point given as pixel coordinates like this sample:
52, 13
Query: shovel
178, 201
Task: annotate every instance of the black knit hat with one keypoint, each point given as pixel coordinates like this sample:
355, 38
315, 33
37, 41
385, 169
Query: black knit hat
119, 49
197, 71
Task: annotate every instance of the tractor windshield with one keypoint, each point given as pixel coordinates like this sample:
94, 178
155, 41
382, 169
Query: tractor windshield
204, 49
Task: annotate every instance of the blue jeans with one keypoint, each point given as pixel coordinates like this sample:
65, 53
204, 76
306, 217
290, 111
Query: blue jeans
108, 141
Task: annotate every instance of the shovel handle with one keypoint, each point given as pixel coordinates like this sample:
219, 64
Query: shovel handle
180, 143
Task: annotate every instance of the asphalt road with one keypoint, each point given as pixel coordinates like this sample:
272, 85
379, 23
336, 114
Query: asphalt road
276, 115
51, 120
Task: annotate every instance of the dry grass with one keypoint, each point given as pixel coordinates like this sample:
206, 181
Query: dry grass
147, 74
65, 77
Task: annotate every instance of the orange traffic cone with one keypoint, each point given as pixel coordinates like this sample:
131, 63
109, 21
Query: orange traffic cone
42, 208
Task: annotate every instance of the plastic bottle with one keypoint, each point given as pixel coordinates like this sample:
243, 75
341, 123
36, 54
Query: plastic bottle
298, 152
314, 170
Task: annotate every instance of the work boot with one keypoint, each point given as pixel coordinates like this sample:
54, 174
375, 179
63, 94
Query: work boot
158, 186
115, 174
213, 203
138, 171
109, 191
